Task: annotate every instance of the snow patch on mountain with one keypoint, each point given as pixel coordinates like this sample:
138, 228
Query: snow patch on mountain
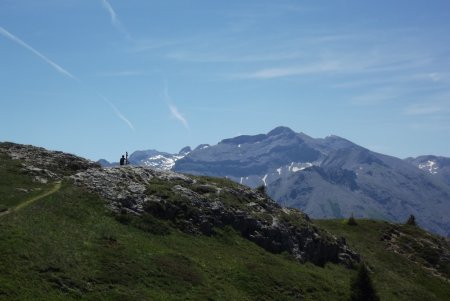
264, 180
430, 166
298, 166
160, 162
302, 166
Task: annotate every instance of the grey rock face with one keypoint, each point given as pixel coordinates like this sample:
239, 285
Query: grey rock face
43, 164
198, 206
247, 156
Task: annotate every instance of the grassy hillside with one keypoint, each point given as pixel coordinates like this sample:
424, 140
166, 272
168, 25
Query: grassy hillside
405, 268
70, 246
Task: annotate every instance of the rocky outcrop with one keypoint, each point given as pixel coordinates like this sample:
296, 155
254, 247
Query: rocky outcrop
197, 205
200, 205
45, 165
430, 251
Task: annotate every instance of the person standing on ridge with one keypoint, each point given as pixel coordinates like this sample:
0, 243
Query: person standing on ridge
122, 160
126, 159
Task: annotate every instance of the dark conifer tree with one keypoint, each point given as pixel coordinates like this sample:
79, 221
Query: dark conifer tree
411, 220
352, 221
261, 189
362, 288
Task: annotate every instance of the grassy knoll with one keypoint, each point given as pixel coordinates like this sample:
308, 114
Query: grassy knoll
395, 276
69, 246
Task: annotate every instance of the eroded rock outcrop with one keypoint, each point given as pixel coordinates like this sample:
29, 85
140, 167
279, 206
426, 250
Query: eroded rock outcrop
199, 205
196, 205
432, 252
43, 164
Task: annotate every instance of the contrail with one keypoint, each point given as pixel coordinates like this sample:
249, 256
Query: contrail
174, 110
110, 10
178, 116
114, 20
61, 70
57, 67
118, 113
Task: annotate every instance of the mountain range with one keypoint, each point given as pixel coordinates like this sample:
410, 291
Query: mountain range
326, 178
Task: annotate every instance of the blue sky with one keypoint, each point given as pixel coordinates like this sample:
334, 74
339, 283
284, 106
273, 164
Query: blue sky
101, 77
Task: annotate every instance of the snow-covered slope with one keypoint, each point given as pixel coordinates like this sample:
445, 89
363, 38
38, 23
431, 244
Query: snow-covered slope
160, 162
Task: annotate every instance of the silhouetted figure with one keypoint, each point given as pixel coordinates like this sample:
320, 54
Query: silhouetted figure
126, 159
122, 160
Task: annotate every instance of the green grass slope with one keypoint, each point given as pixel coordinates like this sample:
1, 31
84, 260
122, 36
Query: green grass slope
69, 246
407, 265
15, 185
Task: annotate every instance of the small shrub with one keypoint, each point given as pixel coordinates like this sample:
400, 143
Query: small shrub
352, 221
411, 220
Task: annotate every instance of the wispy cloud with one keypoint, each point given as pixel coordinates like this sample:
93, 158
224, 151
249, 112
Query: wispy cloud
55, 66
436, 106
269, 73
431, 127
423, 109
339, 63
378, 96
174, 110
61, 70
436, 77
224, 48
114, 19
125, 73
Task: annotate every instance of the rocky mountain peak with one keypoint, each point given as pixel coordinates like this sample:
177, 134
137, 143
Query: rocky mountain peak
243, 139
184, 151
201, 147
281, 130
